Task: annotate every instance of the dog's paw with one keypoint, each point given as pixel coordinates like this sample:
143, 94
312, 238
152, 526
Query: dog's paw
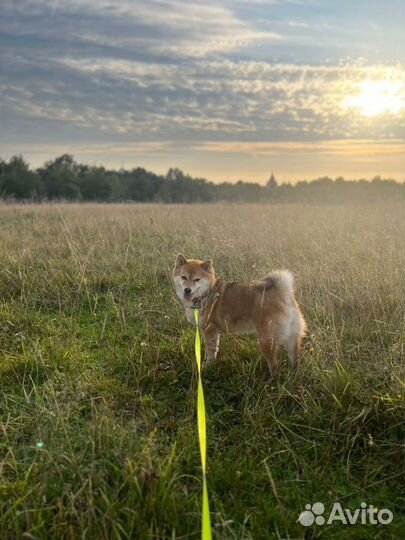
208, 362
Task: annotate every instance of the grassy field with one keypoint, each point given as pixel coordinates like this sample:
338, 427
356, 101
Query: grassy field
98, 423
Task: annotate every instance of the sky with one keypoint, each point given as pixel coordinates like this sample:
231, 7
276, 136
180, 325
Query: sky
224, 90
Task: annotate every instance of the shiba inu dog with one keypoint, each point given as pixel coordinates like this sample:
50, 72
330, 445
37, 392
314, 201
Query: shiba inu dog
267, 307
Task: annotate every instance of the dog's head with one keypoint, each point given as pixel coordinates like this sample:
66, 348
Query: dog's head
192, 278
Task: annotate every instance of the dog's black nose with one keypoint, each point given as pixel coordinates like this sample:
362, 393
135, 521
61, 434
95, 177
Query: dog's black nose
187, 290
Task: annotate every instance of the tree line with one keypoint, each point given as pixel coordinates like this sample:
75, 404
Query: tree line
65, 179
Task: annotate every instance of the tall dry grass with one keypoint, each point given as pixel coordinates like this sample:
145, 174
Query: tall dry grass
97, 364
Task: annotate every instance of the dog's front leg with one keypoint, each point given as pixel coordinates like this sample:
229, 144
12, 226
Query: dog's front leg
190, 316
211, 342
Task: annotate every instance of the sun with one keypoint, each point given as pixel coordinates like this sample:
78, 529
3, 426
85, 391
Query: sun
377, 97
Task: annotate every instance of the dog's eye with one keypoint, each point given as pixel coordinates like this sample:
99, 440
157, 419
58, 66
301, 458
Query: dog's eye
196, 279
183, 277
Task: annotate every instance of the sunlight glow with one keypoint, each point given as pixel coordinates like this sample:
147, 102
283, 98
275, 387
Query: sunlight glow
377, 97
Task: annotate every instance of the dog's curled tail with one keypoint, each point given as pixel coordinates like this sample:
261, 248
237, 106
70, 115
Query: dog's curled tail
281, 281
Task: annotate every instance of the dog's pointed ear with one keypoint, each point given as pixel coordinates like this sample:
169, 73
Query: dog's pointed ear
180, 261
207, 265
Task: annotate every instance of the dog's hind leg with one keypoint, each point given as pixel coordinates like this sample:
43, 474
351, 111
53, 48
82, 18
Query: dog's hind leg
293, 348
296, 331
269, 349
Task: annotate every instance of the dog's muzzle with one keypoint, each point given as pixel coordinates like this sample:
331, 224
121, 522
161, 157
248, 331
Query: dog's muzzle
188, 295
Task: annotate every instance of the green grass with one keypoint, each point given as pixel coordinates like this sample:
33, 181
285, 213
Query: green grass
97, 363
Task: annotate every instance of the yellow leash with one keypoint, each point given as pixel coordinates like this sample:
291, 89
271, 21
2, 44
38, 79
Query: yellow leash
202, 435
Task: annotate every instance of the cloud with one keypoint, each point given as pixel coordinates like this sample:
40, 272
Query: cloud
298, 24
219, 98
350, 148
162, 27
257, 99
105, 73
112, 149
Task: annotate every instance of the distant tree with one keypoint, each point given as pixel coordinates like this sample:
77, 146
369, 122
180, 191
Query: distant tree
64, 178
16, 180
286, 192
179, 187
95, 184
61, 178
139, 185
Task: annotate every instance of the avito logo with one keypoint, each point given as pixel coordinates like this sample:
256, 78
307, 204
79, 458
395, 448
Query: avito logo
366, 514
